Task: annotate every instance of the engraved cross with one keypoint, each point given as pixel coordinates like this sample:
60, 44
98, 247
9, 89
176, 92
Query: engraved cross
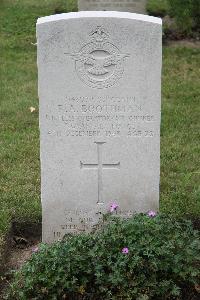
100, 166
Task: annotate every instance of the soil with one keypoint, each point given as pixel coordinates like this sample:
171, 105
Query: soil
18, 256
22, 241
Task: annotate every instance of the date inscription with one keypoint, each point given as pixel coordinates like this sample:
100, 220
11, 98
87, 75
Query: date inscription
100, 117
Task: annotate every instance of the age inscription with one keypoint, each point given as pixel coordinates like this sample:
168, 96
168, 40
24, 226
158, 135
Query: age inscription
100, 117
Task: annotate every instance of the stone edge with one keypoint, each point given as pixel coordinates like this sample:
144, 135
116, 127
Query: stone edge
99, 14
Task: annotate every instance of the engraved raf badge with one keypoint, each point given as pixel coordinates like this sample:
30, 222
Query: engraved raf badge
99, 64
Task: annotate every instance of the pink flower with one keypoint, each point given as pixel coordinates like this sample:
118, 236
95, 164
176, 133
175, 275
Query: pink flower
151, 213
113, 207
35, 249
125, 250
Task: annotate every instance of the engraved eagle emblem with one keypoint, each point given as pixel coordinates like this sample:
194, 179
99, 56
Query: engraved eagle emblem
99, 65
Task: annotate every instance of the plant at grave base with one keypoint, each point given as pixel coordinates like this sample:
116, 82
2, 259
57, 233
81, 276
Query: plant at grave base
35, 249
138, 258
113, 207
125, 250
151, 213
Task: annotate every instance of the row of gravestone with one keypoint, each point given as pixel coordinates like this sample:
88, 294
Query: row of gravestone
135, 6
99, 90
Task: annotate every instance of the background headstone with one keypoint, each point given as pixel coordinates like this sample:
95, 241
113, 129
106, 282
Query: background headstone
134, 6
99, 90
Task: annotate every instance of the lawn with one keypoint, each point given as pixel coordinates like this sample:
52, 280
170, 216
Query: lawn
19, 132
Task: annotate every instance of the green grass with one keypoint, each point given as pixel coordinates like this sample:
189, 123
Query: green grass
19, 133
180, 132
157, 7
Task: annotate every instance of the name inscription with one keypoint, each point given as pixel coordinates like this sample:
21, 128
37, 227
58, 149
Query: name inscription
100, 117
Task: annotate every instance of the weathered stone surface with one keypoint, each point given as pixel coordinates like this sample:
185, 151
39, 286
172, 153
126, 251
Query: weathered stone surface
99, 90
135, 6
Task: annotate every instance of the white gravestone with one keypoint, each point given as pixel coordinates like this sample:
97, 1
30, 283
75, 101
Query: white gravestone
99, 91
136, 6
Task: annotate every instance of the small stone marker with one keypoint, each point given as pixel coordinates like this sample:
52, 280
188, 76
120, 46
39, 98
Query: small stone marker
135, 6
99, 90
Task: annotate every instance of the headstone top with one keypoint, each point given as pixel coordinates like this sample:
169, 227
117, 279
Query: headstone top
135, 6
99, 14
